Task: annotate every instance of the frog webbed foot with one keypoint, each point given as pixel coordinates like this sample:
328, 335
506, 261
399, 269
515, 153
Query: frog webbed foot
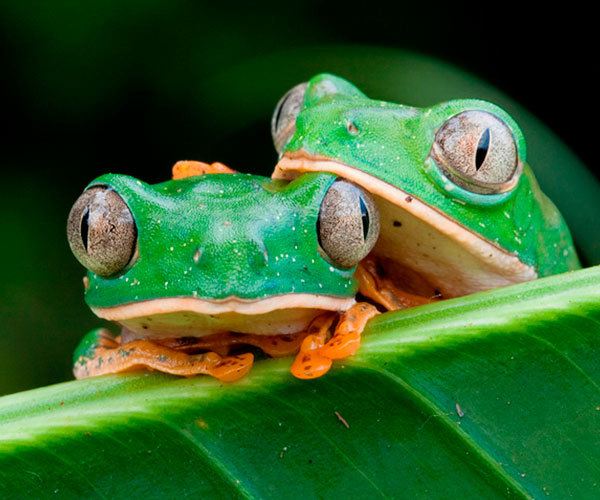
383, 290
317, 353
100, 352
190, 168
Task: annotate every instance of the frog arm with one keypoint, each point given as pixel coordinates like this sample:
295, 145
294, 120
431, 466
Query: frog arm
189, 168
101, 352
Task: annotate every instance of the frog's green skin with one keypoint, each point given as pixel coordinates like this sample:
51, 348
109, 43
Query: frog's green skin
214, 249
479, 240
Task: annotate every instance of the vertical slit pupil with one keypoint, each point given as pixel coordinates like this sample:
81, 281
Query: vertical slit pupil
364, 211
280, 109
482, 148
85, 219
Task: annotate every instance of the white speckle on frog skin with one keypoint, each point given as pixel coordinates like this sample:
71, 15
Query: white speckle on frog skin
293, 259
481, 224
320, 285
166, 284
293, 228
138, 183
518, 240
331, 269
507, 215
195, 293
565, 252
126, 280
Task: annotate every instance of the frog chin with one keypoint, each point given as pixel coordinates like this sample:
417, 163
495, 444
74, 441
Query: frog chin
423, 250
197, 317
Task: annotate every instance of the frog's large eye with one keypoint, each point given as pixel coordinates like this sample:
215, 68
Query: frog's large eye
101, 231
348, 224
477, 151
283, 123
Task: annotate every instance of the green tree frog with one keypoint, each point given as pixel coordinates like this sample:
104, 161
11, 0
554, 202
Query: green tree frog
460, 208
198, 267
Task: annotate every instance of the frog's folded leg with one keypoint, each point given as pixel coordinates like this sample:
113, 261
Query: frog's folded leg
100, 352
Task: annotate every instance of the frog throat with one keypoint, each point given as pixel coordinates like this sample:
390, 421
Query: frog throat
186, 316
457, 262
229, 305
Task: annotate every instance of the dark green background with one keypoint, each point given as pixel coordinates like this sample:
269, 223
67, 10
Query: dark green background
131, 87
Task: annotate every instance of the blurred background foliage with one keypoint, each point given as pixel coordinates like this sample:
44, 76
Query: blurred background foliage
131, 87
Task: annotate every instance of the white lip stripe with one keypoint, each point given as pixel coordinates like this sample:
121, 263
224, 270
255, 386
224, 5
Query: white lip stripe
230, 305
503, 263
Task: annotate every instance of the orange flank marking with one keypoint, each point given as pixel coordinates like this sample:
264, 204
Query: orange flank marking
189, 168
143, 354
276, 346
316, 355
383, 291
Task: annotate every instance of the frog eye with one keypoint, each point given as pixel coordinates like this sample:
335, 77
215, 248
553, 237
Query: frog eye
348, 224
477, 151
101, 231
283, 123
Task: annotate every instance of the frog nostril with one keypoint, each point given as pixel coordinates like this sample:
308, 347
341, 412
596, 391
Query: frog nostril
352, 128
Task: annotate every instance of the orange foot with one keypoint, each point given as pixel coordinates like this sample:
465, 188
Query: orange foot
316, 355
189, 168
383, 291
100, 356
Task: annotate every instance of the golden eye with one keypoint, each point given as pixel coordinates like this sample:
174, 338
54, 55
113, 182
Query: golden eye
348, 224
283, 123
477, 151
101, 231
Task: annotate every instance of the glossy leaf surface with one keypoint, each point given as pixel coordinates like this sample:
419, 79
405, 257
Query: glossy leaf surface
494, 394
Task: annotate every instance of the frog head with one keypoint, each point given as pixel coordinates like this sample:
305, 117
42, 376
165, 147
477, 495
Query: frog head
202, 255
460, 208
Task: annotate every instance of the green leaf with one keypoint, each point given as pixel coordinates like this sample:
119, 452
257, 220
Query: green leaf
495, 394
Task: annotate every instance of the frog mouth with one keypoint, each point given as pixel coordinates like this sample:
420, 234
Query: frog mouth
193, 317
420, 248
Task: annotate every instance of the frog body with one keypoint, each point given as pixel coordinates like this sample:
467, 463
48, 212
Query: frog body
458, 223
